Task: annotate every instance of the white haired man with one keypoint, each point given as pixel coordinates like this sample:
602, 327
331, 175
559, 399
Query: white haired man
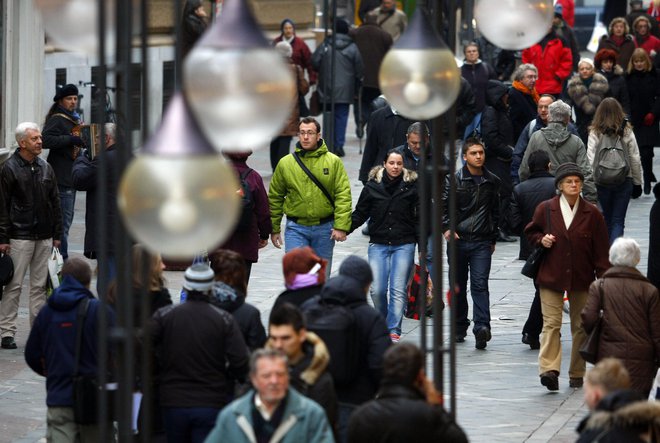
30, 225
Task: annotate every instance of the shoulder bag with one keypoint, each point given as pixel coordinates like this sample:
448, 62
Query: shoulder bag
314, 179
533, 263
589, 349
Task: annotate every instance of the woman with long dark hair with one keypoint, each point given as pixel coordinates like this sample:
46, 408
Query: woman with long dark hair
610, 128
390, 202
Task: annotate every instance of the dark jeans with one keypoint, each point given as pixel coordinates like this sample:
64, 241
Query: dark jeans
534, 324
646, 154
279, 147
67, 203
189, 425
341, 121
614, 203
473, 257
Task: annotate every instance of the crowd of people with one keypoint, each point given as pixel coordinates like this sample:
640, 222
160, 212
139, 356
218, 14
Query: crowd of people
328, 365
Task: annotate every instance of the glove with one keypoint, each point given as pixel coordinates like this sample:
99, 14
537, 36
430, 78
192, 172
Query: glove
648, 119
76, 141
637, 191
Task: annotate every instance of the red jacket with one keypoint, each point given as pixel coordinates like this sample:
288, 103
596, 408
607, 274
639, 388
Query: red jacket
555, 65
579, 255
652, 43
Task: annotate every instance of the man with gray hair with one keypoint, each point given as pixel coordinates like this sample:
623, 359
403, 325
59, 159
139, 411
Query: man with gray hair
30, 225
271, 411
84, 178
561, 146
523, 97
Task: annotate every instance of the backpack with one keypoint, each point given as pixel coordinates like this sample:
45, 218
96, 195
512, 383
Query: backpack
474, 128
336, 325
611, 164
247, 202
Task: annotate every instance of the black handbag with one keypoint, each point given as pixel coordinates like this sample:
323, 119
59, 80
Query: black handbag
533, 263
589, 349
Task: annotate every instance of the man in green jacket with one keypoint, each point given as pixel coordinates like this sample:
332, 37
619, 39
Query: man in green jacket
272, 411
316, 217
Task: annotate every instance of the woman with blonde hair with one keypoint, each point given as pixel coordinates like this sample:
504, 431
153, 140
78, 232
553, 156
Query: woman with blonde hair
619, 40
644, 90
608, 129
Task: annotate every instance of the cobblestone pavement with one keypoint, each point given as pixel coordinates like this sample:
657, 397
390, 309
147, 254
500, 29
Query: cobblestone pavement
499, 397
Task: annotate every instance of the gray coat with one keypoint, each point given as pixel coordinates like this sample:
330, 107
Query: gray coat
349, 70
562, 147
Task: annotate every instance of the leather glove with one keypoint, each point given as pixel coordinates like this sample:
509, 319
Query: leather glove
76, 141
648, 119
637, 191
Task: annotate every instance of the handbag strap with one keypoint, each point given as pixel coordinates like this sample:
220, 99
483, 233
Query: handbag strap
80, 324
314, 179
600, 297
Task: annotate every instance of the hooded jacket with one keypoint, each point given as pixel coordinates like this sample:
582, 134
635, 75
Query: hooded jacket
562, 147
247, 316
496, 128
349, 69
292, 193
29, 200
310, 377
630, 329
621, 416
373, 333
477, 205
393, 218
554, 62
50, 349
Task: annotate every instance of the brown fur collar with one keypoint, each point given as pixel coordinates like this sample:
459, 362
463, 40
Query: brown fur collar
320, 359
376, 174
588, 100
638, 414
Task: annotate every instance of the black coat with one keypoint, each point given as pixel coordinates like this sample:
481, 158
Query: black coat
477, 205
374, 338
465, 109
540, 186
192, 29
297, 296
29, 200
84, 178
393, 218
247, 316
653, 273
373, 43
400, 414
618, 87
496, 127
644, 91
522, 110
385, 131
57, 139
478, 75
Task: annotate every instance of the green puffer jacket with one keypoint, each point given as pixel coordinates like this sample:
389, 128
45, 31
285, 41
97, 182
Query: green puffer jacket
292, 192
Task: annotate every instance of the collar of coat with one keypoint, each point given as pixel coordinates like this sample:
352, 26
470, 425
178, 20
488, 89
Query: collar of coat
321, 148
634, 415
376, 174
625, 272
319, 361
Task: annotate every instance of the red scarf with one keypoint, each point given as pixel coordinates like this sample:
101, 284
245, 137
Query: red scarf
618, 40
525, 90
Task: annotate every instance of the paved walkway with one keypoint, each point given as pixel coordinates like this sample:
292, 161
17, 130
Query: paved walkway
499, 397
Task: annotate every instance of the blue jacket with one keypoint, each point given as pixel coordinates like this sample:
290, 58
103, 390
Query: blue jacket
50, 349
303, 421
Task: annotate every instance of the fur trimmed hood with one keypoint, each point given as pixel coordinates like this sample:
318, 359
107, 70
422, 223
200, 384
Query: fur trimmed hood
320, 358
376, 174
588, 99
636, 415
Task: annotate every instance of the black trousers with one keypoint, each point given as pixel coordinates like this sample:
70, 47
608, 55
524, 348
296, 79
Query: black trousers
534, 323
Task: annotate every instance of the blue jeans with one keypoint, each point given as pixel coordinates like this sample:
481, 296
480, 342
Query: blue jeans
473, 257
317, 237
67, 203
391, 265
189, 425
614, 203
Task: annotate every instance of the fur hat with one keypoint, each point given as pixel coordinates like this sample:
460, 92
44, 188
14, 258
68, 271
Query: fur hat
301, 261
65, 91
358, 269
566, 170
198, 277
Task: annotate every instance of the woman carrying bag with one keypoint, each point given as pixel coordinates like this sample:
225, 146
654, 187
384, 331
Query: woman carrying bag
391, 203
610, 129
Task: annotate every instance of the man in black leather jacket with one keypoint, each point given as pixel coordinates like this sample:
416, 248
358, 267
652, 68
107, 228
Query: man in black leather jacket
477, 217
30, 225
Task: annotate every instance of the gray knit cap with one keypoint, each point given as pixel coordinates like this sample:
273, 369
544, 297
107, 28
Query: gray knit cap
198, 277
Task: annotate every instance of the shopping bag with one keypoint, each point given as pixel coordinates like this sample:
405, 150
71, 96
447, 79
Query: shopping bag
55, 263
414, 287
599, 30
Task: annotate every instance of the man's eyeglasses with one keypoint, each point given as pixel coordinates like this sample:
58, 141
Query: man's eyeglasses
307, 133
